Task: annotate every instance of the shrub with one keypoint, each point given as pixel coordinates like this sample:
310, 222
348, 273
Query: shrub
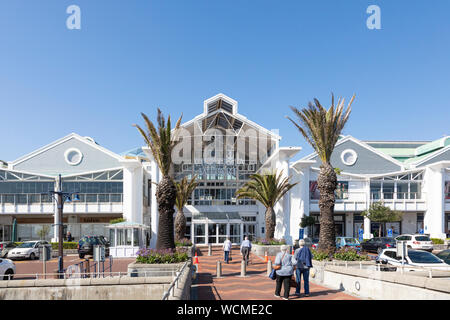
350, 254
320, 255
118, 220
271, 242
437, 241
66, 245
183, 243
153, 256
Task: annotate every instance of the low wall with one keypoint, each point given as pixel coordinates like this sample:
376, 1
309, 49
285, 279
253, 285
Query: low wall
182, 290
116, 288
370, 284
153, 270
271, 250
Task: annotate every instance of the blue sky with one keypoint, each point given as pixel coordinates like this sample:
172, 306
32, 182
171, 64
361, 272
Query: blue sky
136, 55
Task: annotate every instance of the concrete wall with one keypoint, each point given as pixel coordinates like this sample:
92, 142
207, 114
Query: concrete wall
123, 288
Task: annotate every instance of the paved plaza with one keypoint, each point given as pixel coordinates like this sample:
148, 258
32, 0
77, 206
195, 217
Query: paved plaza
256, 286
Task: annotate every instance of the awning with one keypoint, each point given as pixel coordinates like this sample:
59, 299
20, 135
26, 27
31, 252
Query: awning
216, 216
127, 225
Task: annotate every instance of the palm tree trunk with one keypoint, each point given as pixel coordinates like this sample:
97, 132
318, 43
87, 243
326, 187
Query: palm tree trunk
270, 223
180, 225
326, 183
165, 196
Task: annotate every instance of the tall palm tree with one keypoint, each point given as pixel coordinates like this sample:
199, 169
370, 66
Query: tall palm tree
161, 143
321, 129
184, 191
268, 189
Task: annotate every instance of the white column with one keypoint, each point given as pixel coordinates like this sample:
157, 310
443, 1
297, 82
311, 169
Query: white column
282, 208
434, 218
366, 234
132, 191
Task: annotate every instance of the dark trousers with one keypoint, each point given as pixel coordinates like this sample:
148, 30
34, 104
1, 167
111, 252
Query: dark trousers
283, 280
227, 256
245, 253
298, 274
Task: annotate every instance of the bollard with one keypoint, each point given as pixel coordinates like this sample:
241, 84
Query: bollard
209, 249
219, 269
243, 269
360, 265
269, 267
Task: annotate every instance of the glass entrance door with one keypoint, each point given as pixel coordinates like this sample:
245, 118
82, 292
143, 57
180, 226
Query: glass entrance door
222, 232
212, 233
235, 233
250, 231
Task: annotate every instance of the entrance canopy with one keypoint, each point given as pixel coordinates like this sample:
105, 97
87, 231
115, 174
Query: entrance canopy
216, 216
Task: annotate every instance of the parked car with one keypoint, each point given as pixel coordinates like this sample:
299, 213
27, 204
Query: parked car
5, 247
7, 269
87, 243
27, 250
415, 259
347, 242
378, 244
315, 243
416, 241
444, 255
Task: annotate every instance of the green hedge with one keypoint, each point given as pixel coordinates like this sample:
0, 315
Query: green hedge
437, 241
66, 245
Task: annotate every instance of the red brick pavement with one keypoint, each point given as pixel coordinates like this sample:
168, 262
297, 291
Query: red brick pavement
256, 286
26, 269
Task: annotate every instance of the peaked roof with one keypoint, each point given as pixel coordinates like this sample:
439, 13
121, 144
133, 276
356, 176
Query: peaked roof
221, 110
87, 140
364, 145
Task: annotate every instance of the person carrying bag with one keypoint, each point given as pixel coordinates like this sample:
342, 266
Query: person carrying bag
283, 269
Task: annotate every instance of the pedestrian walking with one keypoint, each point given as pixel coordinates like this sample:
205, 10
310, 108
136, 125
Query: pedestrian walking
303, 261
226, 250
284, 271
69, 237
246, 246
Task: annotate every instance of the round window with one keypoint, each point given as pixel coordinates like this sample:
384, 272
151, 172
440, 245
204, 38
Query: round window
73, 156
349, 157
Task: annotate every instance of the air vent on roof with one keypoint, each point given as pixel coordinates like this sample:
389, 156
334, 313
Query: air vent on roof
220, 104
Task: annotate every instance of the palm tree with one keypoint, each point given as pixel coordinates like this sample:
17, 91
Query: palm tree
161, 143
268, 189
321, 129
184, 191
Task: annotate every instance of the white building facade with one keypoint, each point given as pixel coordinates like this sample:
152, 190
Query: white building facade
222, 148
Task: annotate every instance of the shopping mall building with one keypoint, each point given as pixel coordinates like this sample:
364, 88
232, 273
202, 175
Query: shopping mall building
222, 148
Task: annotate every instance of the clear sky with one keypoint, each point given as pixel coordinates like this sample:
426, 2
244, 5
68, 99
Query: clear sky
136, 55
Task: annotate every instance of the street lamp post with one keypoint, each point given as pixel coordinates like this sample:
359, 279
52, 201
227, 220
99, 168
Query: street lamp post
61, 197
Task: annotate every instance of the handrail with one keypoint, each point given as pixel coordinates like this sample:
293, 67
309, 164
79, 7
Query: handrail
175, 281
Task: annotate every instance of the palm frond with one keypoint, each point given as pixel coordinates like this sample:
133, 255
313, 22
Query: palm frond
321, 128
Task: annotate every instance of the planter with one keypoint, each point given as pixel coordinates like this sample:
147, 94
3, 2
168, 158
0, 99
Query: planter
154, 270
272, 250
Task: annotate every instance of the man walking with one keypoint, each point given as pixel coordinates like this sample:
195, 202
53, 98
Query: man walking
245, 249
226, 250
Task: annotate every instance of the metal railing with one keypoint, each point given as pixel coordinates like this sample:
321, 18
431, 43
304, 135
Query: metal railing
37, 198
174, 282
377, 195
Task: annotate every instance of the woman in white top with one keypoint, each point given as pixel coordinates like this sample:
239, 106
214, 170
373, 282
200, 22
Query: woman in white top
227, 249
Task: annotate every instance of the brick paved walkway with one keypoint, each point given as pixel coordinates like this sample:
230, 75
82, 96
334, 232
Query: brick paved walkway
256, 286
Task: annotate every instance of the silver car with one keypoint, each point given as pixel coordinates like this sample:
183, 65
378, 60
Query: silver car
27, 250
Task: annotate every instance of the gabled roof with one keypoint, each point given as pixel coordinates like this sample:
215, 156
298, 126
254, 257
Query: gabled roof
86, 140
362, 144
222, 111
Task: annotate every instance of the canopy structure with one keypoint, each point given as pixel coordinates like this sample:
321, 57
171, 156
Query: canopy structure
127, 238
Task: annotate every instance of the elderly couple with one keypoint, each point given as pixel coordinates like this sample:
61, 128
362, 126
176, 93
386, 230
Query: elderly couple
284, 265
